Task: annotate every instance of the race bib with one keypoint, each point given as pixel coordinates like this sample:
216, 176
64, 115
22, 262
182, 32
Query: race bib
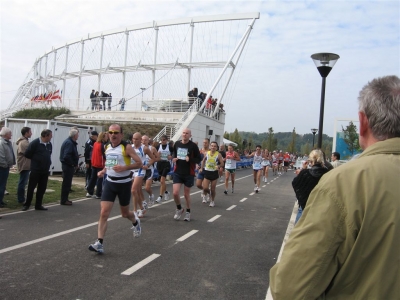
111, 161
257, 165
164, 156
182, 153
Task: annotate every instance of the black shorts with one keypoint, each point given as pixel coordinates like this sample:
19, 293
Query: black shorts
149, 174
113, 189
286, 163
211, 175
187, 180
163, 168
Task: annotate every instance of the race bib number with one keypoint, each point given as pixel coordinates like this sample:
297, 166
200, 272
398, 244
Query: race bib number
164, 156
257, 165
111, 161
182, 153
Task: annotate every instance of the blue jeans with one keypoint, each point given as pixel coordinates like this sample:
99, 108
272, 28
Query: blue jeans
23, 180
3, 182
299, 213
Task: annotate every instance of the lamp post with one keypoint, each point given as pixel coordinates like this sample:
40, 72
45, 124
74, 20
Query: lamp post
141, 103
324, 63
314, 131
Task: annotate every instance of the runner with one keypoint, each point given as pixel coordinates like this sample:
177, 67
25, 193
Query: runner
200, 175
266, 164
230, 167
286, 161
118, 168
274, 163
148, 178
139, 205
211, 170
221, 169
257, 167
280, 162
164, 166
186, 156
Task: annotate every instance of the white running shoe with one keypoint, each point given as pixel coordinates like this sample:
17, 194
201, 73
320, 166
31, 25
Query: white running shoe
96, 247
178, 213
141, 212
255, 188
207, 197
166, 196
187, 217
151, 200
145, 206
137, 230
204, 200
221, 179
212, 204
159, 199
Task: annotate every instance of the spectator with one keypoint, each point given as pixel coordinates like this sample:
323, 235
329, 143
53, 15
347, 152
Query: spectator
335, 159
39, 152
23, 163
7, 160
97, 101
93, 99
346, 244
69, 158
98, 163
307, 179
109, 100
192, 96
122, 102
88, 155
104, 97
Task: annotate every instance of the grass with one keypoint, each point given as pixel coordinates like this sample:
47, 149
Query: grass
50, 197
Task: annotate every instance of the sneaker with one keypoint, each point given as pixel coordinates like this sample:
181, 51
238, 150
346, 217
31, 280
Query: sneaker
97, 197
166, 196
221, 179
212, 204
141, 212
88, 195
232, 190
178, 213
255, 188
145, 206
187, 217
159, 199
207, 197
266, 179
96, 247
6, 193
151, 200
204, 200
226, 192
137, 230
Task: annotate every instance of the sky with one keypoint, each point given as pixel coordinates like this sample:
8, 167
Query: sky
277, 84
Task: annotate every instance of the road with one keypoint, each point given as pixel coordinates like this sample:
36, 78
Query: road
225, 252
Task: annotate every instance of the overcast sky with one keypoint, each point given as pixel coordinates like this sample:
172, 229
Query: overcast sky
278, 84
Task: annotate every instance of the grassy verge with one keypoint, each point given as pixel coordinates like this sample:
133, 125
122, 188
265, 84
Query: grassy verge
49, 197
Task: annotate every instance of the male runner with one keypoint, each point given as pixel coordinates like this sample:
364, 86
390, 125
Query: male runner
148, 178
118, 168
230, 167
257, 167
266, 164
200, 174
164, 166
186, 156
286, 161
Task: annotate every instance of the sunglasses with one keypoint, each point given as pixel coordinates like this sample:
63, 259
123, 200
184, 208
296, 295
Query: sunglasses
113, 132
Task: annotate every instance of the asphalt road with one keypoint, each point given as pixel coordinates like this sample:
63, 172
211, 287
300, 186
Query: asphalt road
225, 252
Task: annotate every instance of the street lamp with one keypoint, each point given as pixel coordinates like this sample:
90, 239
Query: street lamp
314, 131
324, 63
141, 103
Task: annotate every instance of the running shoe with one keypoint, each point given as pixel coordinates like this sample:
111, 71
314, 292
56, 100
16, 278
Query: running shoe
88, 195
141, 212
212, 204
187, 217
159, 199
204, 200
207, 197
226, 192
137, 230
257, 189
151, 200
178, 213
96, 247
221, 179
232, 190
145, 206
166, 196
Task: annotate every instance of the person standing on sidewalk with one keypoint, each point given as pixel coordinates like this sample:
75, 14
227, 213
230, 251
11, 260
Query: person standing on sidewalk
88, 155
121, 159
39, 152
23, 163
98, 163
7, 160
186, 156
69, 158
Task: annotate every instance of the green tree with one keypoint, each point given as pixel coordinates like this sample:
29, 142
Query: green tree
264, 144
235, 137
270, 140
251, 142
226, 135
292, 146
351, 137
306, 148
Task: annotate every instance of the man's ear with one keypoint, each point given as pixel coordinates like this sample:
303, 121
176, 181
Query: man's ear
364, 124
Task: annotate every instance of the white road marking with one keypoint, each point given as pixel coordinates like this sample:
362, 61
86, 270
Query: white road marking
187, 235
264, 185
232, 207
251, 194
141, 264
244, 199
214, 218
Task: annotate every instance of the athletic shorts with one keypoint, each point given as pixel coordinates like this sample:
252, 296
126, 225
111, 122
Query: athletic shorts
149, 174
231, 170
136, 173
200, 175
274, 164
286, 163
187, 180
211, 175
163, 168
120, 190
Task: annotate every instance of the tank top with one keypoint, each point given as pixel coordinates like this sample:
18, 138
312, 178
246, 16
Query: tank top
257, 162
117, 156
164, 153
140, 152
148, 158
230, 162
211, 161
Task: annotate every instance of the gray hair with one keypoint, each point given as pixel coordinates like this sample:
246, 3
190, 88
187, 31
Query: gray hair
379, 100
73, 132
4, 131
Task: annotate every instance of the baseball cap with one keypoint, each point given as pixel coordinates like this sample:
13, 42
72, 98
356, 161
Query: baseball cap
94, 133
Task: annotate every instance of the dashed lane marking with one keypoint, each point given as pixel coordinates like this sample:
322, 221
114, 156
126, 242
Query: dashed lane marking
140, 264
244, 199
231, 207
251, 194
214, 218
187, 235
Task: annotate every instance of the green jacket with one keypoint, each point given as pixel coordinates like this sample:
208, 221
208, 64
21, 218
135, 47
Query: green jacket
347, 242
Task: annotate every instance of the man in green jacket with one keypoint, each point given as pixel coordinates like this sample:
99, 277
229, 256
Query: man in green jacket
347, 242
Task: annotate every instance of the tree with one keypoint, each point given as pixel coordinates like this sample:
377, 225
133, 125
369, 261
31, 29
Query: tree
235, 137
305, 149
351, 137
270, 141
251, 143
265, 144
226, 135
292, 146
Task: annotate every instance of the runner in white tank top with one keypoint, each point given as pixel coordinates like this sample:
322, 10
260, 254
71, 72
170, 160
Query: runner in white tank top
257, 167
230, 167
150, 171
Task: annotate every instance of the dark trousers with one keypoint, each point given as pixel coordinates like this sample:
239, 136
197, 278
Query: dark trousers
3, 181
88, 173
23, 180
68, 173
95, 181
39, 180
